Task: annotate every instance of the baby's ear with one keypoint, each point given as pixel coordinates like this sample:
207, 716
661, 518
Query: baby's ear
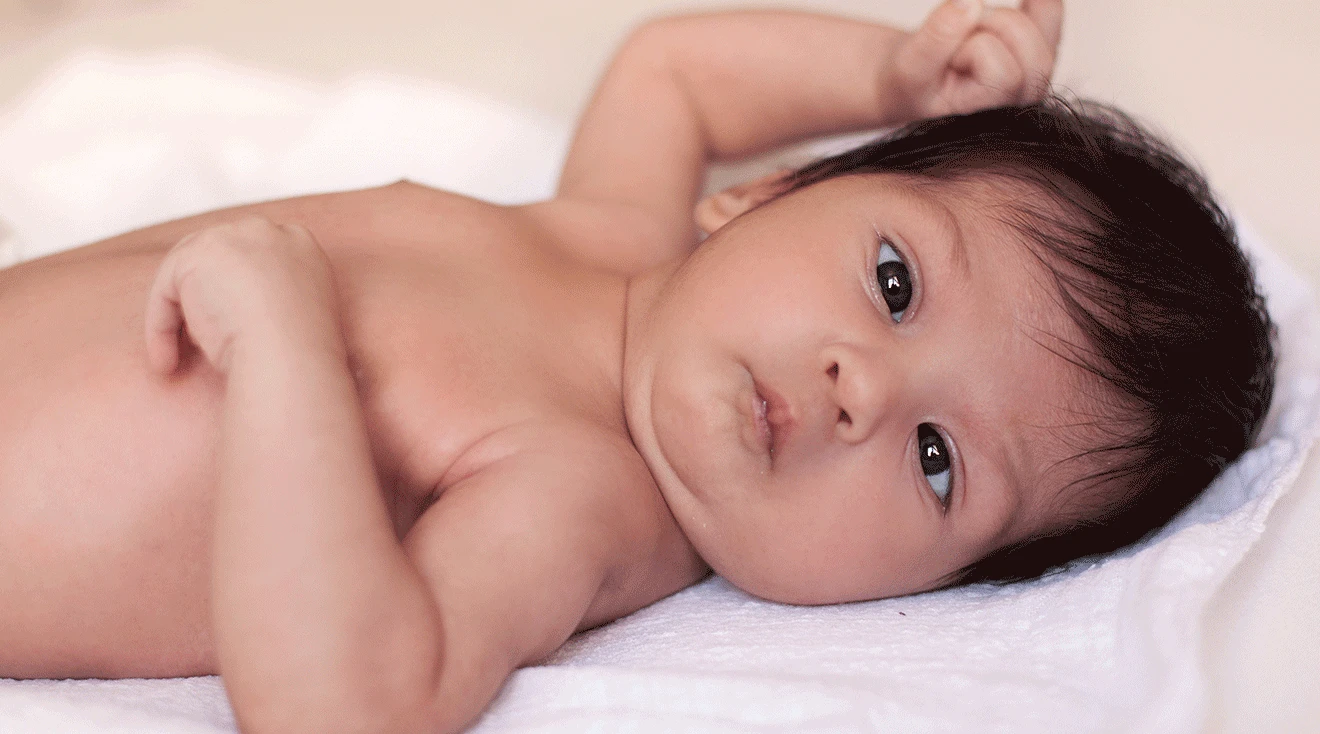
720, 208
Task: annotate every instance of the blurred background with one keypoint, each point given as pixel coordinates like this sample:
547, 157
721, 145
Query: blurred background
1235, 84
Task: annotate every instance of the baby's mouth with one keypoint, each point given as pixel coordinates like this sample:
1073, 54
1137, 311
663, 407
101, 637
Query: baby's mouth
771, 419
764, 430
774, 419
757, 433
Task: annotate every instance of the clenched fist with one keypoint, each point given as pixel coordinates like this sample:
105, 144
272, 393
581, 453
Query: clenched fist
250, 283
967, 57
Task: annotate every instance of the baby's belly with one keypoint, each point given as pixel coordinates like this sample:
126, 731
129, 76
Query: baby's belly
106, 475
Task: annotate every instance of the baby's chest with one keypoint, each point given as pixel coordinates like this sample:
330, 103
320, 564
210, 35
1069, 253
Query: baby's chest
444, 357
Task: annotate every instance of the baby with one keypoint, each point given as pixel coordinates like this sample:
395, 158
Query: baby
380, 448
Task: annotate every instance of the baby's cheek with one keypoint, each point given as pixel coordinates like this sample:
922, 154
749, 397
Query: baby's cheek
812, 552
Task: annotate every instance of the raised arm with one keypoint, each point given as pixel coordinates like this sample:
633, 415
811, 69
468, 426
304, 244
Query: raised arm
688, 90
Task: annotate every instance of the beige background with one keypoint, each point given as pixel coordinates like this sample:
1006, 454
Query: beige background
1236, 84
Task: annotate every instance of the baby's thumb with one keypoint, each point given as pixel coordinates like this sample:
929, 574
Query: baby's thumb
163, 320
927, 53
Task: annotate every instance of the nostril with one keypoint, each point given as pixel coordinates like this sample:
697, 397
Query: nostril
844, 418
833, 371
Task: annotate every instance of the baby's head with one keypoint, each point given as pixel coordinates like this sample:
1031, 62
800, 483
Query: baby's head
974, 349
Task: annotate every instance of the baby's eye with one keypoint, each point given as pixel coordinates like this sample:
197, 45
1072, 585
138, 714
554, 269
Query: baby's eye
934, 460
895, 283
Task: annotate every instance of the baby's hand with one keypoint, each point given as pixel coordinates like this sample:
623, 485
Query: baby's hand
246, 282
967, 57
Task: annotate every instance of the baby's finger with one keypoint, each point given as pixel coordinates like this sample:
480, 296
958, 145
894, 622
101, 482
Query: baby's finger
1048, 17
992, 68
164, 319
1026, 43
927, 53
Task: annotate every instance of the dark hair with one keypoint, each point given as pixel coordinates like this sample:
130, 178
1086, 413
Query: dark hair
1149, 269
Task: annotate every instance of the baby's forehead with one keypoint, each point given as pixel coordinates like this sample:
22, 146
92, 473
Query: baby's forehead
1069, 427
1034, 442
1061, 458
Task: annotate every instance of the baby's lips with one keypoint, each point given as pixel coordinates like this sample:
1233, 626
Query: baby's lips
777, 416
763, 430
755, 429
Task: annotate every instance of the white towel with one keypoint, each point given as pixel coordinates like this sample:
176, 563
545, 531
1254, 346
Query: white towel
110, 143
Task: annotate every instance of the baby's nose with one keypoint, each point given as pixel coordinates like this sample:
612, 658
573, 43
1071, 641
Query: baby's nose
860, 392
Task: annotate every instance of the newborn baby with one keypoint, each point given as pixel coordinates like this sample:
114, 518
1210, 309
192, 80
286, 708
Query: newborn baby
379, 448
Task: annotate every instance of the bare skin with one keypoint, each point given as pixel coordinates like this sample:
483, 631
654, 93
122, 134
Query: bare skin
131, 509
373, 453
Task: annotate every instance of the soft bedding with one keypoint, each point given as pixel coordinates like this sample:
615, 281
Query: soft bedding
111, 143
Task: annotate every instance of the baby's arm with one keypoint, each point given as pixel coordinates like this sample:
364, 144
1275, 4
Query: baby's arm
687, 90
323, 620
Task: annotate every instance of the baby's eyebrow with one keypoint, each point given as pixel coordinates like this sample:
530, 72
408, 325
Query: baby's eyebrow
1003, 471
947, 224
997, 484
957, 242
1023, 459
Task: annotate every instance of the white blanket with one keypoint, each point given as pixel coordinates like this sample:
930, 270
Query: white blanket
1113, 644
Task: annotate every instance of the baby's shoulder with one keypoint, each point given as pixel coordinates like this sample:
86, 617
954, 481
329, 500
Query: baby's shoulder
583, 489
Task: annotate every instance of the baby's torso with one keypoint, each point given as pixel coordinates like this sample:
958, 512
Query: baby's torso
460, 325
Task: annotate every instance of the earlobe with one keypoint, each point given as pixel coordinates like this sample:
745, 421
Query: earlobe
720, 208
